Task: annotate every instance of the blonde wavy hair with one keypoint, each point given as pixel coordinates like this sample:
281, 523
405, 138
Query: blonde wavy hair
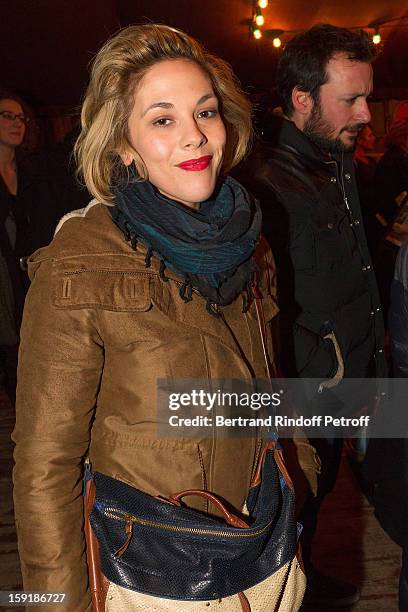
116, 72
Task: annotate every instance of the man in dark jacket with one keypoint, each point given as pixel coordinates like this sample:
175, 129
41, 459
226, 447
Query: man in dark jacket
331, 320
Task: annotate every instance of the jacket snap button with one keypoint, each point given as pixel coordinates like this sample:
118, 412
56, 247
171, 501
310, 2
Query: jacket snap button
356, 222
347, 176
333, 179
372, 313
330, 225
380, 350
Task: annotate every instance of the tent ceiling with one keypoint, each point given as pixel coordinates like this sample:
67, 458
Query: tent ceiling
47, 44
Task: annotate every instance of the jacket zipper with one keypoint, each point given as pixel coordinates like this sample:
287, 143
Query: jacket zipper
343, 189
340, 182
350, 212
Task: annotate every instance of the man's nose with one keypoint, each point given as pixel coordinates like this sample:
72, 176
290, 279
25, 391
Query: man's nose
363, 113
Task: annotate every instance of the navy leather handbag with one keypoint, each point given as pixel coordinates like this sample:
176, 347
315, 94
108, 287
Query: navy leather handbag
160, 547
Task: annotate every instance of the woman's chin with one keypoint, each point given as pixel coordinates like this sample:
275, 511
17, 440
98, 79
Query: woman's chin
192, 198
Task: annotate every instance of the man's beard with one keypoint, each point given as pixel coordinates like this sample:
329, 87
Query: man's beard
322, 133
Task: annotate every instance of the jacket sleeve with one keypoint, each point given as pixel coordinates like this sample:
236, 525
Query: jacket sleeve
60, 365
302, 351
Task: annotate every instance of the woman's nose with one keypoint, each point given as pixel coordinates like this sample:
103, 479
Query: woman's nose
193, 135
19, 120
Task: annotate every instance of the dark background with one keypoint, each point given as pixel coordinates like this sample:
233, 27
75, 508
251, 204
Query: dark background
48, 44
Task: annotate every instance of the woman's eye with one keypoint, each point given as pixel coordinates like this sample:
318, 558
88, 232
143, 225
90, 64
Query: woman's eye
162, 121
208, 114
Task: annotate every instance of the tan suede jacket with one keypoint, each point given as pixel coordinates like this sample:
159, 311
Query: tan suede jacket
99, 329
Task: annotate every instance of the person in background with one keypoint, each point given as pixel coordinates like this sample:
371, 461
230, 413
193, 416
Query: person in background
331, 321
14, 118
365, 170
387, 465
390, 191
54, 190
391, 175
365, 145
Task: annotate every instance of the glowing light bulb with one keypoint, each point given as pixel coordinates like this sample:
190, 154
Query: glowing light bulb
277, 42
376, 38
259, 19
262, 4
257, 34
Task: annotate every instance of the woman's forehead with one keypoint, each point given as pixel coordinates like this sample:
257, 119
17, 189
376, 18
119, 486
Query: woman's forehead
173, 79
10, 105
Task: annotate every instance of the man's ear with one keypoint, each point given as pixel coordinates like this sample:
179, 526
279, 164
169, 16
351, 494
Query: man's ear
302, 101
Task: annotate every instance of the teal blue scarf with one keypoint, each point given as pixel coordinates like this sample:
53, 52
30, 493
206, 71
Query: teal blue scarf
210, 249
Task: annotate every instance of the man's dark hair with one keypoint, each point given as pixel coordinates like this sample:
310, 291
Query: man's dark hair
304, 61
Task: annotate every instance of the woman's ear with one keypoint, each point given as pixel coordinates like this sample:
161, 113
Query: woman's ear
127, 157
302, 101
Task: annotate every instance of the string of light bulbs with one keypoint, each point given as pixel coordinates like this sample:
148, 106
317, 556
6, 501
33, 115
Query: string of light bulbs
258, 21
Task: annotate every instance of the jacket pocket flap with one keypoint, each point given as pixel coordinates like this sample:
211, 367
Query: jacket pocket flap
117, 291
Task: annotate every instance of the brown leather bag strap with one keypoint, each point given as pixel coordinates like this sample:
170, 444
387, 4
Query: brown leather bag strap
260, 253
98, 583
245, 606
262, 330
257, 477
230, 518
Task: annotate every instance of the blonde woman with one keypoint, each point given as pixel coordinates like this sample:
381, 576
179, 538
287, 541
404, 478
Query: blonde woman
152, 280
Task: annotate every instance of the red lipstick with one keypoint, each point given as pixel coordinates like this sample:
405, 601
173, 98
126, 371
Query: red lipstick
196, 165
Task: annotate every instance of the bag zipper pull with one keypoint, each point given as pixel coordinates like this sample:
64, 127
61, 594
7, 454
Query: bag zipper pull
87, 475
129, 533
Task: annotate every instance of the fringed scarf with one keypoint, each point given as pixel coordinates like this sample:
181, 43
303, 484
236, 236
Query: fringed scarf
210, 249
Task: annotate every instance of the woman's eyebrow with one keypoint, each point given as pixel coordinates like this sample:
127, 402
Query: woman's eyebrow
205, 98
170, 105
158, 105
